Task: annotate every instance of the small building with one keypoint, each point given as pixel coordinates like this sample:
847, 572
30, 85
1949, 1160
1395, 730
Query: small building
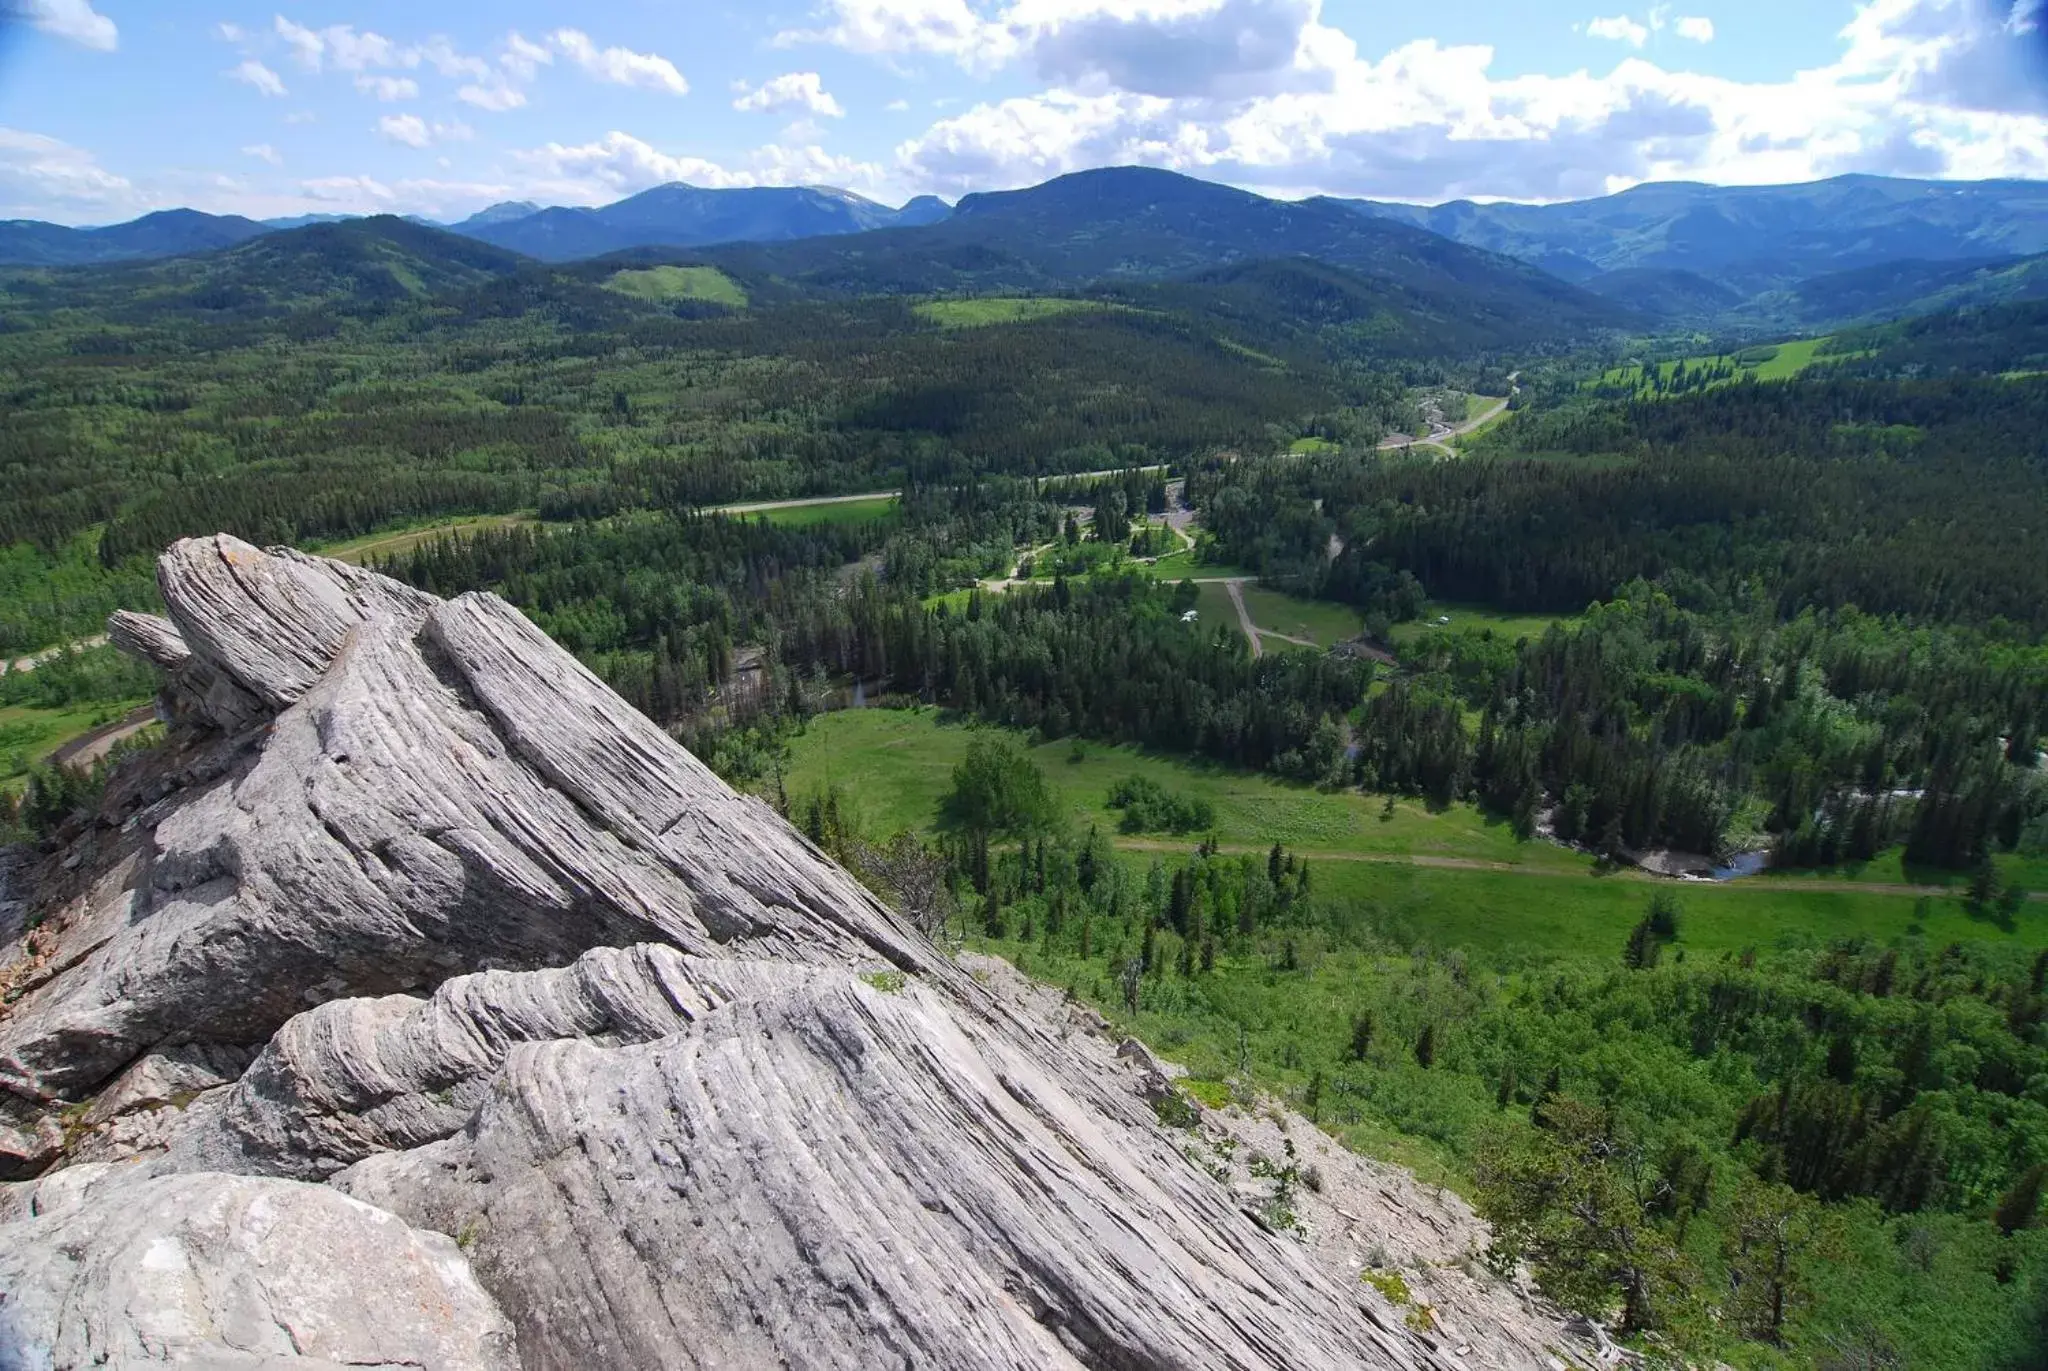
1190, 616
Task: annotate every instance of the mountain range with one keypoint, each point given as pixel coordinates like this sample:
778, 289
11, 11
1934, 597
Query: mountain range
1749, 239
1678, 254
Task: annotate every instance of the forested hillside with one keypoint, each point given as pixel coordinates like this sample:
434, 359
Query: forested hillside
1132, 493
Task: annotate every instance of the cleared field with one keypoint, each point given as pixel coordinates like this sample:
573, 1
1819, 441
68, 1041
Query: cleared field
1466, 617
1182, 566
680, 283
1213, 604
390, 544
1768, 362
1449, 878
895, 766
999, 309
1323, 622
843, 512
1309, 447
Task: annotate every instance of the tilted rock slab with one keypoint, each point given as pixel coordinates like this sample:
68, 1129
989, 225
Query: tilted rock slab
559, 1054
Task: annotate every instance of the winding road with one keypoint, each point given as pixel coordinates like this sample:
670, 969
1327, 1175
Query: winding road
1436, 437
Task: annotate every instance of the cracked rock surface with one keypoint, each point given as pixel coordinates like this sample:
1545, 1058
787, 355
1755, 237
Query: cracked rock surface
421, 1004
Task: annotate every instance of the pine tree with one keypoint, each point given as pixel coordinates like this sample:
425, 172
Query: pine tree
2020, 1207
1425, 1047
1361, 1037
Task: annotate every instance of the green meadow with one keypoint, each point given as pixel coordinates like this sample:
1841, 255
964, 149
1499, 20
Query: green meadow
679, 283
1452, 878
999, 309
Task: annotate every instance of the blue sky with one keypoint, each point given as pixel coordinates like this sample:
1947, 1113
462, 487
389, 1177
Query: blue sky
111, 108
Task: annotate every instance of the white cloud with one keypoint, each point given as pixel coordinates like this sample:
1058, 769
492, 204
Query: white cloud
897, 106
415, 132
620, 66
523, 58
263, 152
495, 99
254, 73
75, 20
230, 33
1429, 122
803, 90
388, 88
620, 164
352, 192
306, 45
945, 27
1695, 28
439, 54
1620, 29
40, 175
408, 129
302, 116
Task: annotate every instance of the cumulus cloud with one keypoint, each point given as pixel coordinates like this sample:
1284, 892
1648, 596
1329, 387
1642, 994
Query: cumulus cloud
876, 27
620, 66
352, 192
802, 90
75, 20
496, 98
524, 58
388, 88
620, 164
1155, 47
1620, 29
263, 152
44, 175
415, 132
1432, 122
251, 72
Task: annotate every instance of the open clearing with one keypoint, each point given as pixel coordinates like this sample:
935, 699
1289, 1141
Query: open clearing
1323, 622
679, 283
1766, 362
370, 546
1465, 617
1449, 878
810, 513
1000, 309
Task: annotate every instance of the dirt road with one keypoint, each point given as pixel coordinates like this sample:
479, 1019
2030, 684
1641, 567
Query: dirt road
808, 501
36, 659
1438, 435
81, 753
1509, 868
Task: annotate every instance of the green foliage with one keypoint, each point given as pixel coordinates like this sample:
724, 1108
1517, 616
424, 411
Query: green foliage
998, 791
680, 283
1149, 807
999, 309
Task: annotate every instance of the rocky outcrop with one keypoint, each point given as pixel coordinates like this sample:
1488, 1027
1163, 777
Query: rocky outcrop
421, 1004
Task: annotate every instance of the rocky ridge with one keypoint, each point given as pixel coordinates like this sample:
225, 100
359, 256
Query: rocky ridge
419, 1003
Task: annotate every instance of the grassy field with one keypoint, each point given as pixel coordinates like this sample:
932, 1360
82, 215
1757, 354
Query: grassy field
1182, 566
393, 542
680, 283
1452, 878
1322, 622
1310, 447
1466, 617
844, 512
999, 309
1774, 362
28, 735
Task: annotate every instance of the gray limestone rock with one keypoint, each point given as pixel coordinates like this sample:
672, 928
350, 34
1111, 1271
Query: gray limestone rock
213, 1271
421, 1004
